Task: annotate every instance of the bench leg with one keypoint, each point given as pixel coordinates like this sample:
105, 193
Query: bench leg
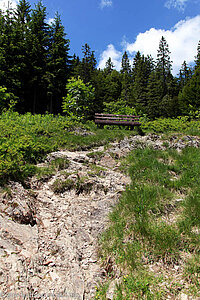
140, 131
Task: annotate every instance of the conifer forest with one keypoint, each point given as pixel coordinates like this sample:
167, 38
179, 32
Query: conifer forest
35, 68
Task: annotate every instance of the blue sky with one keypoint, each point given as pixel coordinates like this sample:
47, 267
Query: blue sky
112, 26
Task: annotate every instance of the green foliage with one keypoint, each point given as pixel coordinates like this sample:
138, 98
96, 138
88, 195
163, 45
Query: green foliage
119, 107
78, 102
6, 99
190, 95
180, 124
26, 139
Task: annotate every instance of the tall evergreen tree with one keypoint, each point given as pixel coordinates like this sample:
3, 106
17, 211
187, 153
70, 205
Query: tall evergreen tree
2, 49
162, 88
197, 58
185, 74
23, 13
112, 86
189, 98
142, 68
88, 64
22, 31
8, 45
154, 92
164, 64
109, 66
58, 65
126, 79
38, 50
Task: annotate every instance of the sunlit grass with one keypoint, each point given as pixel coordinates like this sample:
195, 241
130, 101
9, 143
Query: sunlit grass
149, 225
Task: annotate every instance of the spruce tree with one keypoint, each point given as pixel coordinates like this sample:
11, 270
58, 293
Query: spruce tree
22, 32
197, 58
88, 64
112, 86
126, 79
189, 98
58, 65
142, 68
2, 50
185, 74
9, 74
39, 42
154, 94
164, 64
109, 66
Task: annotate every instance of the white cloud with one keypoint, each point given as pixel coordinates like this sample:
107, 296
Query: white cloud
50, 21
115, 56
105, 3
5, 4
179, 4
182, 39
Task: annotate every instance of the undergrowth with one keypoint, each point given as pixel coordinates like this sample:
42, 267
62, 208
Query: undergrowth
182, 124
26, 139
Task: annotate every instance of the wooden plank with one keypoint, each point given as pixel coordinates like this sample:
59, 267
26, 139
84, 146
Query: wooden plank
110, 115
114, 122
117, 118
111, 119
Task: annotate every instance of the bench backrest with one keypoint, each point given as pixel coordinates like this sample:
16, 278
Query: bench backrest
116, 117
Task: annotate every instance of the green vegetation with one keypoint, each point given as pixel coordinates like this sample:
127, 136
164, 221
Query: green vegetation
182, 124
26, 139
79, 101
156, 223
51, 168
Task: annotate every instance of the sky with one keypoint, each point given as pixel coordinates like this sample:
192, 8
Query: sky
111, 27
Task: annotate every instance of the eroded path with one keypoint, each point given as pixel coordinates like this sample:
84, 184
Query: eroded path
49, 239
49, 234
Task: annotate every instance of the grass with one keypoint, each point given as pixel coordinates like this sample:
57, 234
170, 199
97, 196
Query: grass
51, 168
149, 226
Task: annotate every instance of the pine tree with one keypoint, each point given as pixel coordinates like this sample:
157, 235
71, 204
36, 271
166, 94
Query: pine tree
162, 87
164, 64
126, 79
109, 66
142, 68
185, 74
112, 86
23, 13
197, 58
58, 65
38, 50
22, 31
154, 95
9, 66
189, 98
2, 49
75, 66
88, 64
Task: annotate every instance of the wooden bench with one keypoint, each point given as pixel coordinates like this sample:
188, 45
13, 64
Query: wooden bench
122, 120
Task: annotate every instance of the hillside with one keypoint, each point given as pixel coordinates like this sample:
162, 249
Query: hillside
51, 226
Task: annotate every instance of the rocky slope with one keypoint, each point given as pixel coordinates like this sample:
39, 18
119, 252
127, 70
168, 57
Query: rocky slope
49, 233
